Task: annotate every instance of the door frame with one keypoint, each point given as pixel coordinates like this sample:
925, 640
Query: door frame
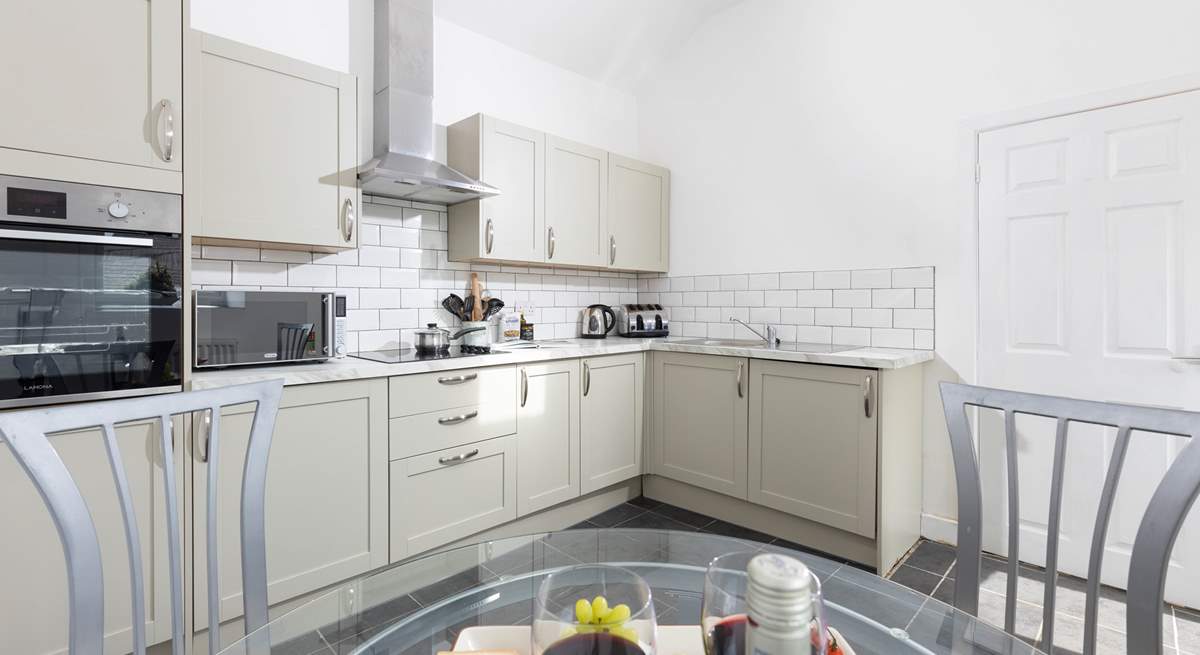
969, 133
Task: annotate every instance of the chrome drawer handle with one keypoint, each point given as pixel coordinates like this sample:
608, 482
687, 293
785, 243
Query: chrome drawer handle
587, 378
455, 420
867, 397
739, 380
458, 379
524, 387
167, 116
458, 458
348, 220
489, 238
612, 250
206, 430
550, 244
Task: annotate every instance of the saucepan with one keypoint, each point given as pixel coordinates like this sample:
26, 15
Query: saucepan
433, 339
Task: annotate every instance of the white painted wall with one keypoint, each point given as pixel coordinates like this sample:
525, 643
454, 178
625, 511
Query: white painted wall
826, 134
316, 31
473, 73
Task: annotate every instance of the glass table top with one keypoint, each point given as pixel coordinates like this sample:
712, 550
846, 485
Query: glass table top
419, 607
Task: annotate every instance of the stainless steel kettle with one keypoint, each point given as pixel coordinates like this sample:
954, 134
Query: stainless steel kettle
598, 321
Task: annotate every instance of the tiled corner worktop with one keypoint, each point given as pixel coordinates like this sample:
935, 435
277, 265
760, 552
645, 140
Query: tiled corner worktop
352, 368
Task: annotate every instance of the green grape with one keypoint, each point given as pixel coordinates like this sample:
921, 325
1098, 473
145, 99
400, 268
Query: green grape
583, 611
618, 614
600, 609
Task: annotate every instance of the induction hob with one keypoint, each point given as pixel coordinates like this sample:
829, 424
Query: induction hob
403, 356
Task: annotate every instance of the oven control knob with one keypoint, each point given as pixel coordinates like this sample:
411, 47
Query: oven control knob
118, 209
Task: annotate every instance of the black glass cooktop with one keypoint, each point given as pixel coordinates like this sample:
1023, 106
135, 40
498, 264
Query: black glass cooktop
412, 355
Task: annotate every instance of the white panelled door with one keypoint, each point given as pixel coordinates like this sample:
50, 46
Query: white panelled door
1090, 288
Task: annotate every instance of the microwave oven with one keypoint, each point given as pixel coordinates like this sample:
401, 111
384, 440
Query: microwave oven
243, 328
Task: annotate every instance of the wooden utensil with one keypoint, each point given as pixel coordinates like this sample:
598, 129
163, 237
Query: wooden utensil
477, 291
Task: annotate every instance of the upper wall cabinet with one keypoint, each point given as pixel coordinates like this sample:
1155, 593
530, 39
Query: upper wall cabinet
576, 203
92, 91
510, 226
278, 142
558, 203
639, 196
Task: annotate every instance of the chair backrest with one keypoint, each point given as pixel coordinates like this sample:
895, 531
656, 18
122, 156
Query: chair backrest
1156, 533
27, 435
291, 339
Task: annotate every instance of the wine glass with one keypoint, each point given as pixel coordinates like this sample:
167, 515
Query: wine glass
724, 612
594, 608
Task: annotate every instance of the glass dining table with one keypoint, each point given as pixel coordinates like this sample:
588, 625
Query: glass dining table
422, 606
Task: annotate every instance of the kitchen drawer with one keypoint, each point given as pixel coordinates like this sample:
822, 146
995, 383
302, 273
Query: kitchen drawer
430, 392
447, 428
436, 499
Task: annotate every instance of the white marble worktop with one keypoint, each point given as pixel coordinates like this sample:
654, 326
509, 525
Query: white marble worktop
352, 368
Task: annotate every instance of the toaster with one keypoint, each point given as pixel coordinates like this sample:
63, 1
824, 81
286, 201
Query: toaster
648, 320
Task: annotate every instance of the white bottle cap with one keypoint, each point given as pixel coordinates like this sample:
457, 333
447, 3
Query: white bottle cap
779, 593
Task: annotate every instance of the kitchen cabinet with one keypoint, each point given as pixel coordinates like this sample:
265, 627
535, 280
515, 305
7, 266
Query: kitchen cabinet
610, 414
576, 203
446, 495
93, 91
435, 411
547, 435
33, 612
639, 196
510, 226
278, 142
812, 442
327, 492
699, 405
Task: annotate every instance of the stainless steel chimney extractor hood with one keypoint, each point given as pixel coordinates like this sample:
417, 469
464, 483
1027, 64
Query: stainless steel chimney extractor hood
404, 166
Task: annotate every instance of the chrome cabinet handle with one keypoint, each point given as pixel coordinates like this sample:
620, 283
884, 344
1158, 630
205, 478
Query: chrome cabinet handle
348, 219
524, 387
550, 244
458, 379
612, 250
739, 379
166, 116
458, 458
587, 378
455, 420
867, 396
489, 237
206, 427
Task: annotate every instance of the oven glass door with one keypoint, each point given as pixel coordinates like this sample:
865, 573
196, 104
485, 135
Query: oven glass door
87, 313
259, 327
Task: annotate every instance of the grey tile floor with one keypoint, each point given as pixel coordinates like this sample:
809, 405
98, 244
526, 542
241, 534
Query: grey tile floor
930, 567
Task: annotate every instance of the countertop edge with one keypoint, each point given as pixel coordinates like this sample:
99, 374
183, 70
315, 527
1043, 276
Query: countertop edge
351, 368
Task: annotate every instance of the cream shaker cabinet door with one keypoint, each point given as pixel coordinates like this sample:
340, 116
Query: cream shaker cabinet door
450, 494
699, 405
327, 493
279, 145
813, 441
94, 80
33, 608
547, 435
611, 420
576, 203
639, 196
510, 226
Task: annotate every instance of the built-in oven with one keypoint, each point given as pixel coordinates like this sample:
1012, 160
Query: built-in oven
91, 291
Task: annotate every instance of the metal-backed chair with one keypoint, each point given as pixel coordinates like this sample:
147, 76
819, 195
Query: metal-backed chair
26, 433
291, 339
1156, 534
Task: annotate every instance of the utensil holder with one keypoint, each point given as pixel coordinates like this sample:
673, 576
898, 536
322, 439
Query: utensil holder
480, 337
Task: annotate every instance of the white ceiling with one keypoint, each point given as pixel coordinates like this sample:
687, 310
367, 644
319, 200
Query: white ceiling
616, 42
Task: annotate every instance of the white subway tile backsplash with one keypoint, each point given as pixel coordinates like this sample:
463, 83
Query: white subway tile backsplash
685, 283
797, 315
852, 298
418, 298
398, 318
211, 272
831, 280
311, 275
720, 298
923, 339
670, 298
913, 318
695, 298
274, 274
891, 338
707, 282
368, 235
659, 284
879, 278
378, 256
740, 313
357, 276
417, 258
432, 239
421, 219
378, 298
814, 298
229, 252
400, 277
814, 334
833, 316
872, 318
362, 319
748, 298
764, 281
921, 277
734, 282
802, 280
892, 298
708, 314
762, 314
286, 256
683, 314
924, 298
399, 237
779, 298
437, 279
852, 336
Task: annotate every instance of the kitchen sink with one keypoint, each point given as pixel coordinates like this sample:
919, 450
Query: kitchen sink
793, 347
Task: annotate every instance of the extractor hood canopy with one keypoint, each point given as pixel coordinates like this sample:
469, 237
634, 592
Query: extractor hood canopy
404, 166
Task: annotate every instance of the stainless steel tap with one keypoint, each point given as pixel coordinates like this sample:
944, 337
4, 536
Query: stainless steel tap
771, 337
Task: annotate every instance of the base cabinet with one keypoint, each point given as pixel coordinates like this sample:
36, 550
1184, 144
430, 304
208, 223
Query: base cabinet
699, 405
813, 442
450, 494
327, 493
610, 412
33, 607
547, 435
